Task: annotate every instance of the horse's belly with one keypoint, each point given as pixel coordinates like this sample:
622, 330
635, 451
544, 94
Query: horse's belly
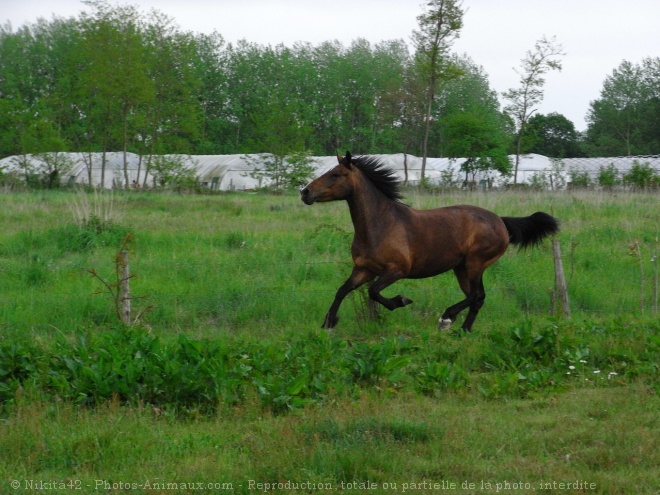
429, 261
431, 268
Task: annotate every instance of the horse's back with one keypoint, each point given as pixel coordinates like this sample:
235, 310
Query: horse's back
446, 237
464, 222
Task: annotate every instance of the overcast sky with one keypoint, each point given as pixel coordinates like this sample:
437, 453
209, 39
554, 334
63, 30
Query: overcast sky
597, 35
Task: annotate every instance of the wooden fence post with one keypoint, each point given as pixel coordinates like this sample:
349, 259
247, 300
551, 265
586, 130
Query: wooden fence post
561, 291
125, 289
655, 277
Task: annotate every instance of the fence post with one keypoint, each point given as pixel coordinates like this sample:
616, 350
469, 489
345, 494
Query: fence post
125, 289
561, 292
655, 277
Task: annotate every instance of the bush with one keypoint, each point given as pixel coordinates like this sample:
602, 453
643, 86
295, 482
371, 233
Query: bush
640, 176
171, 173
579, 178
608, 177
282, 172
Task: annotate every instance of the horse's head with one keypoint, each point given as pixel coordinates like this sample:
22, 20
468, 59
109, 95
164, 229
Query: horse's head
337, 183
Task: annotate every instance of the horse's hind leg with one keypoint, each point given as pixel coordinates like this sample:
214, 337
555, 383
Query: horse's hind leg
450, 314
477, 297
472, 286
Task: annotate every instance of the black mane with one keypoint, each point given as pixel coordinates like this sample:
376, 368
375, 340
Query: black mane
383, 177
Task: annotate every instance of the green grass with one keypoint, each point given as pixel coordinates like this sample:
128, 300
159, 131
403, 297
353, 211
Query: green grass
228, 378
207, 262
582, 435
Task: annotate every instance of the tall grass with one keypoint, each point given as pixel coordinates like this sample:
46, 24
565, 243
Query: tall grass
240, 262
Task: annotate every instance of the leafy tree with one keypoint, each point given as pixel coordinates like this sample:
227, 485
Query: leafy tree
404, 105
114, 81
249, 91
169, 171
392, 62
55, 167
469, 123
524, 99
477, 139
439, 26
282, 171
170, 121
553, 135
356, 86
28, 80
625, 120
209, 63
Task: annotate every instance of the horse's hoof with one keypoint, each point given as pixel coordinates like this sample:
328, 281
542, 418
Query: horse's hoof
329, 323
400, 301
444, 324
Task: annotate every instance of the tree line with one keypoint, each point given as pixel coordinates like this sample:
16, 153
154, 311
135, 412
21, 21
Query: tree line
116, 79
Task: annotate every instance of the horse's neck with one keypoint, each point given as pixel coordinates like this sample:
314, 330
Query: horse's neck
368, 209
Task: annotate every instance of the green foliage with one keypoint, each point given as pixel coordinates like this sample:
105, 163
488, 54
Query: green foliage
114, 78
625, 120
578, 178
185, 374
17, 366
439, 26
553, 135
608, 177
524, 99
93, 234
153, 90
640, 176
282, 172
171, 173
476, 138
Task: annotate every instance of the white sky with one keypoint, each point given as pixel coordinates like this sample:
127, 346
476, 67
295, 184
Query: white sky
597, 35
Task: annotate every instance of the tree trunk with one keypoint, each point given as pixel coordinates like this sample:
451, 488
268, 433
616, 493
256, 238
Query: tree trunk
126, 180
103, 162
405, 168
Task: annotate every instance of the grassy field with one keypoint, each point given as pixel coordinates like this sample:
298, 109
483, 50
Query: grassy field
227, 382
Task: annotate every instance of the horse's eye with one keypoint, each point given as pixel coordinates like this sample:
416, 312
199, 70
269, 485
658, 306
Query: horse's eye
335, 175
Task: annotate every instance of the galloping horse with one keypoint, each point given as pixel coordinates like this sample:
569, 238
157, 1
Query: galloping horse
394, 241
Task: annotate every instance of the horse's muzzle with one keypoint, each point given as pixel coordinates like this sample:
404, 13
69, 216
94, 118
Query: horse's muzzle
306, 196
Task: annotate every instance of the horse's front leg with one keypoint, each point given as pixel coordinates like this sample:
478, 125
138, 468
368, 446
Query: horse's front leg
383, 282
357, 278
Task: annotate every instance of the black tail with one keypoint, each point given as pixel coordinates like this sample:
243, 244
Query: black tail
531, 230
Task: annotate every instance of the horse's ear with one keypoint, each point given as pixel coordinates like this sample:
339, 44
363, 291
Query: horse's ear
346, 160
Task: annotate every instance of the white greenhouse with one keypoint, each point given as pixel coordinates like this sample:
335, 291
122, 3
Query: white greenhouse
235, 172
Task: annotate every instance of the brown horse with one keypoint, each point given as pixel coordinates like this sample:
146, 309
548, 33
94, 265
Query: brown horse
394, 241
